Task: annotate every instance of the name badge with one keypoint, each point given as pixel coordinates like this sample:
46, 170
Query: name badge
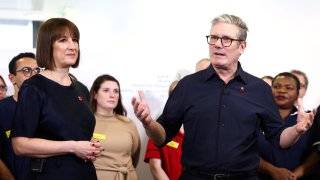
173, 144
99, 136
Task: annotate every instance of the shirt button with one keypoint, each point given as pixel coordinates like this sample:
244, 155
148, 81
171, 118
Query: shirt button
222, 125
223, 106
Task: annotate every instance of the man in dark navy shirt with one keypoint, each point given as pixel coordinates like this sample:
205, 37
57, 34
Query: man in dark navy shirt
21, 67
222, 109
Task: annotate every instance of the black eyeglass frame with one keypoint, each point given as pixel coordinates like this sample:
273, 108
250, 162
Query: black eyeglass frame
221, 40
3, 87
27, 71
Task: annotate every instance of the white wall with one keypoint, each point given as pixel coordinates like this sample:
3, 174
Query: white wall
144, 43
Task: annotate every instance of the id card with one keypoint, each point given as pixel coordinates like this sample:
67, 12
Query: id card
173, 144
99, 136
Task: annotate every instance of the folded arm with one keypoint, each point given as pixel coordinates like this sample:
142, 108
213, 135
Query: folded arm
5, 173
42, 148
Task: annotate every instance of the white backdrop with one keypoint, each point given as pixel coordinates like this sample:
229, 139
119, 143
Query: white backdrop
144, 43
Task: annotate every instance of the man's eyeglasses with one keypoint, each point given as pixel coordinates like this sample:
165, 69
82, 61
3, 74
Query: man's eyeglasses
3, 87
225, 41
27, 71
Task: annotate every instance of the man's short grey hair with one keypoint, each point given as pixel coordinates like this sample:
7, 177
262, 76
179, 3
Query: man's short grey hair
235, 20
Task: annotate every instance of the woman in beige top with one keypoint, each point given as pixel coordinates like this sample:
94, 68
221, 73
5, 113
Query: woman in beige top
117, 134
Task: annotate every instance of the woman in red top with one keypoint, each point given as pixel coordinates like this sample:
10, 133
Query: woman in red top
165, 162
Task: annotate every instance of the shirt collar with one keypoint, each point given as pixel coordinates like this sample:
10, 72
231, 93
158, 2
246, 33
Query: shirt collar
240, 74
294, 111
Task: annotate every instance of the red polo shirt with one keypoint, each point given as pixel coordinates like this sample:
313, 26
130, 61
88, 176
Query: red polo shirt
170, 156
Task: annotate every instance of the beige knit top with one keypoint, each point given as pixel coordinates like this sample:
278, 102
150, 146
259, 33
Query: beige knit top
120, 139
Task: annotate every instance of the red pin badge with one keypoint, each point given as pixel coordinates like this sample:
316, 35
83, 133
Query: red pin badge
242, 89
80, 98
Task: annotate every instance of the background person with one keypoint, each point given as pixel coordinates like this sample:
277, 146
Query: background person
54, 126
117, 133
202, 64
21, 67
3, 88
304, 82
267, 79
277, 163
5, 172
